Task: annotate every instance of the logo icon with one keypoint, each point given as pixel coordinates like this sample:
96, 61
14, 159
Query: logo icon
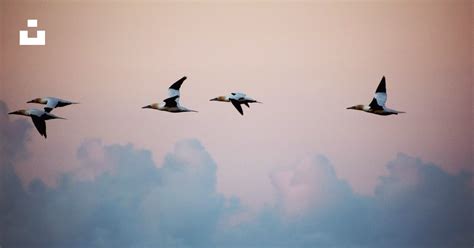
39, 40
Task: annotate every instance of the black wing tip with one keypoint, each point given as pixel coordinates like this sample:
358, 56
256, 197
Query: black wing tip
181, 80
381, 87
47, 110
178, 83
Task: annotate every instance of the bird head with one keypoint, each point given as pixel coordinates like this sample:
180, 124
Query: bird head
356, 107
19, 112
37, 100
220, 99
151, 106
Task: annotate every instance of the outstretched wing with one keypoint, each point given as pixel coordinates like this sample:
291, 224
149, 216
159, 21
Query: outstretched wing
378, 102
51, 104
40, 125
171, 101
237, 106
374, 105
174, 88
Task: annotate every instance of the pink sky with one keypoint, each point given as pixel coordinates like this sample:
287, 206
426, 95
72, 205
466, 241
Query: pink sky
306, 61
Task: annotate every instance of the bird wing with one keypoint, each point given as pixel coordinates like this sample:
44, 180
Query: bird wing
40, 125
380, 97
173, 90
171, 101
237, 106
374, 105
51, 104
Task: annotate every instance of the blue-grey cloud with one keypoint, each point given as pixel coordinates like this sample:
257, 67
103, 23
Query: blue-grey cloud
121, 198
133, 204
13, 138
13, 135
415, 205
420, 205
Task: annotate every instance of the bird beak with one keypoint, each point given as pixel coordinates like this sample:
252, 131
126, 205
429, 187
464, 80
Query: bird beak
213, 99
351, 107
15, 113
147, 106
32, 101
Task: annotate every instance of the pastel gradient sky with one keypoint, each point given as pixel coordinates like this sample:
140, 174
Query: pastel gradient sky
305, 61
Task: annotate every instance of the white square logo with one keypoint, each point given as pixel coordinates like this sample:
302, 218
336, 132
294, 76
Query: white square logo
39, 40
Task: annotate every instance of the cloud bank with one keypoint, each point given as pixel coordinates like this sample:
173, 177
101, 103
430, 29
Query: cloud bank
121, 198
415, 205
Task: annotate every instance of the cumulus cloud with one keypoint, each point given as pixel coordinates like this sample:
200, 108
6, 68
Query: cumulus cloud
415, 205
313, 208
133, 203
311, 184
13, 135
13, 138
419, 204
121, 198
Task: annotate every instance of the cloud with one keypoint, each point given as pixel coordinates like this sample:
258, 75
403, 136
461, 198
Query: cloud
13, 136
311, 184
419, 204
133, 203
121, 198
415, 205
313, 208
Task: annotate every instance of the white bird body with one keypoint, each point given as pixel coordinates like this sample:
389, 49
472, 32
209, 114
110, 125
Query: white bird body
171, 104
51, 102
241, 97
39, 118
173, 109
377, 105
237, 99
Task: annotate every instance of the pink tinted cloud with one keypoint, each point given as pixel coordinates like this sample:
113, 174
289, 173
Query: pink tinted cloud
306, 185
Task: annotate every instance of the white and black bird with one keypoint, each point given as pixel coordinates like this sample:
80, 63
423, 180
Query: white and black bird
51, 102
39, 118
377, 105
237, 99
171, 104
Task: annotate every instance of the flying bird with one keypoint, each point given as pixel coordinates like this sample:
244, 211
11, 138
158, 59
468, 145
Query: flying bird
39, 118
51, 102
171, 104
377, 105
237, 99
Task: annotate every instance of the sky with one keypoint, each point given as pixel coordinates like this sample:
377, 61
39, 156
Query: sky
298, 170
